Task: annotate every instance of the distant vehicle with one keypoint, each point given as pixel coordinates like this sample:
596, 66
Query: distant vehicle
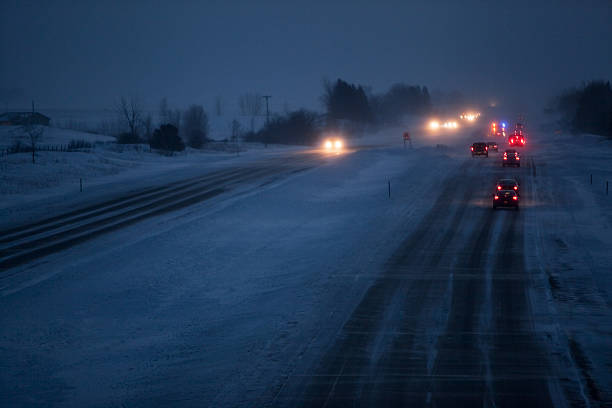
519, 127
480, 149
511, 158
517, 138
506, 198
333, 144
492, 146
498, 129
507, 184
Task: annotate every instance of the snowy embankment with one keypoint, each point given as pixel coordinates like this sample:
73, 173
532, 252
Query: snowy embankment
107, 169
569, 240
206, 303
52, 183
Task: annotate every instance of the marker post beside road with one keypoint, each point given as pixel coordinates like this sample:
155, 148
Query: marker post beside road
407, 137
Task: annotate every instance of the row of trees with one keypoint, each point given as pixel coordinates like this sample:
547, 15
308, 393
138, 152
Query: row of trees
175, 129
586, 109
301, 127
191, 125
345, 101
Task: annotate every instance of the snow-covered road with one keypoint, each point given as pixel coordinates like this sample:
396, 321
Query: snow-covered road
317, 289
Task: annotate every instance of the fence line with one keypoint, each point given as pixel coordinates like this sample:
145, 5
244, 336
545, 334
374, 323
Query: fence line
78, 147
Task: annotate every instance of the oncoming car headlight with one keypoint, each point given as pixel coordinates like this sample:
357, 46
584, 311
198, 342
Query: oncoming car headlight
333, 144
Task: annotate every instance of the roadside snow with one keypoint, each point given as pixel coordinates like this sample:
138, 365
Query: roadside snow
571, 220
222, 293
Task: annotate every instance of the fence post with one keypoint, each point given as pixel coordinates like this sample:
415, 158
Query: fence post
591, 179
606, 187
389, 183
81, 184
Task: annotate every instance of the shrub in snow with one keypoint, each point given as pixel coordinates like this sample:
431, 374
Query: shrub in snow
166, 138
128, 138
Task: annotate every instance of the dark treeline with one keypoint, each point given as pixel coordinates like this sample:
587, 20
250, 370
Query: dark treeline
297, 128
400, 100
587, 109
345, 103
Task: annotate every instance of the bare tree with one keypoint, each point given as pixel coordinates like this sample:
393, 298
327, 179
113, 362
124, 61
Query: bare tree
251, 104
236, 133
130, 113
218, 105
167, 115
34, 133
195, 126
164, 111
147, 125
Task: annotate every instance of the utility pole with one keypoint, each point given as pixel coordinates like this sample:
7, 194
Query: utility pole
267, 97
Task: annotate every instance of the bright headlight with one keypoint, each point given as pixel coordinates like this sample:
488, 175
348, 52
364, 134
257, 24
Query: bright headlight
328, 144
338, 144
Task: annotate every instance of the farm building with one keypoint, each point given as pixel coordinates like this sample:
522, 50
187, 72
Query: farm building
23, 118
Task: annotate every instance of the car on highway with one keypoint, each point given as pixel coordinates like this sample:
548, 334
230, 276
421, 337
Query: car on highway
333, 144
507, 184
479, 149
506, 198
511, 158
492, 146
517, 138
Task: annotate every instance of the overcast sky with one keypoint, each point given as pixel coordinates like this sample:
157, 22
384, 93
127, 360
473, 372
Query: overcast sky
86, 54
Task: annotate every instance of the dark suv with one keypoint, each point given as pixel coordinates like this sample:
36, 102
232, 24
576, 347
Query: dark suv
480, 149
507, 184
506, 198
511, 158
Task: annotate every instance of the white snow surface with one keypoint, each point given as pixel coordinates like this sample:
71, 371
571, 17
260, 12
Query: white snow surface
208, 305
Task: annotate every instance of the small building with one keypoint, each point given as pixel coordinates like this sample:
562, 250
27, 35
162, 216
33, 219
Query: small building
23, 118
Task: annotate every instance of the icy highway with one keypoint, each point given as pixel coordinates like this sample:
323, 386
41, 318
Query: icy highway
299, 282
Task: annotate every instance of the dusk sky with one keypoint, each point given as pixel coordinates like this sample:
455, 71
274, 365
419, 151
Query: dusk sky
86, 54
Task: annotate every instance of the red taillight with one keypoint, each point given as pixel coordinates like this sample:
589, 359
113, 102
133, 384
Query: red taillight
515, 198
511, 140
499, 187
496, 197
486, 147
505, 158
472, 148
518, 158
515, 187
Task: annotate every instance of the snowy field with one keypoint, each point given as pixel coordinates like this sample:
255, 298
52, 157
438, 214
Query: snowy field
217, 304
